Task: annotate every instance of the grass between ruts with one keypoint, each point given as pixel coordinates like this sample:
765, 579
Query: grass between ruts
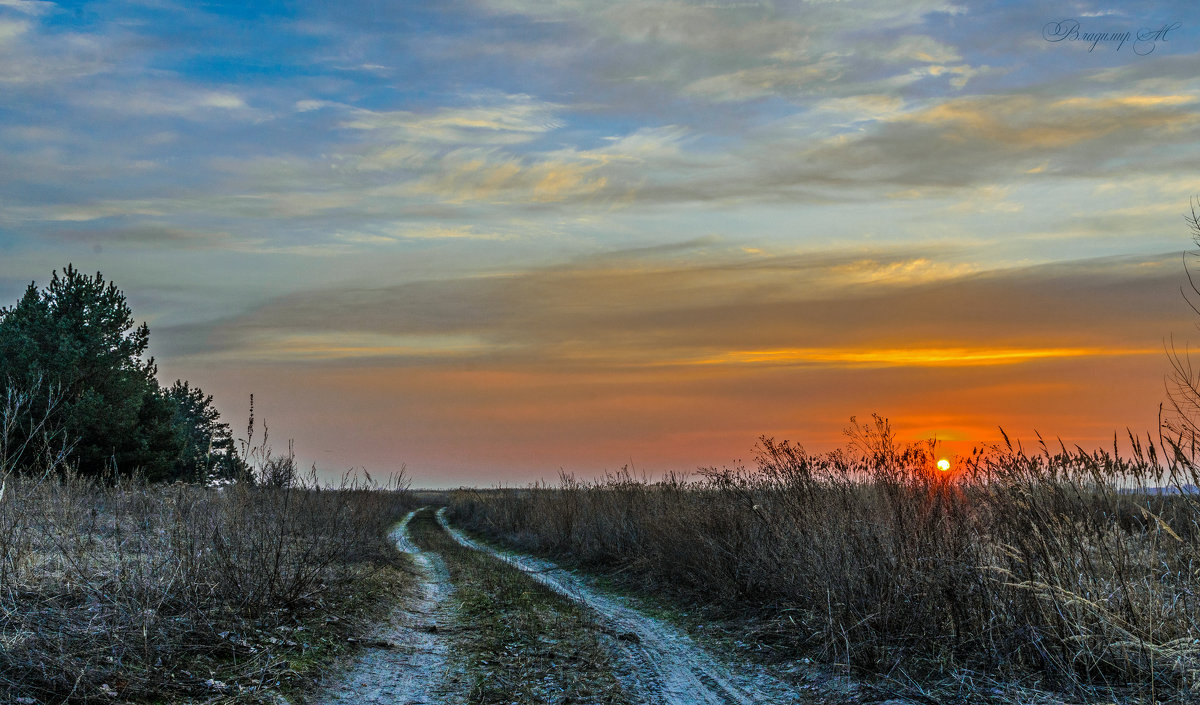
520, 641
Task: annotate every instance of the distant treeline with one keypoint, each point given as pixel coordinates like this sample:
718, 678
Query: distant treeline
78, 390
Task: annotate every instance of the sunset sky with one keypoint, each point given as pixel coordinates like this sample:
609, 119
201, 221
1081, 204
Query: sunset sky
493, 239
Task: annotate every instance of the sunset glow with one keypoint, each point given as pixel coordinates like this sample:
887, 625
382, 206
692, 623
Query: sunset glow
491, 240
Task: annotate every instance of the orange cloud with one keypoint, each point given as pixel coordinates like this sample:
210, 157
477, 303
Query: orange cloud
941, 357
1029, 122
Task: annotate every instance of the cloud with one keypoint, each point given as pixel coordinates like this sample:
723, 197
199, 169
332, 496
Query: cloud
958, 75
394, 235
86, 212
510, 120
466, 177
918, 47
948, 143
32, 60
143, 235
641, 53
35, 8
1032, 124
866, 107
965, 142
648, 309
10, 30
760, 81
911, 357
171, 99
320, 156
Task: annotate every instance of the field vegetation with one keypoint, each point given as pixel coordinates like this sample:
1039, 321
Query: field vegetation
125, 591
1054, 569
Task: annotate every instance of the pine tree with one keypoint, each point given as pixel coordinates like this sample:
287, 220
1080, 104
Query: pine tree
208, 451
78, 337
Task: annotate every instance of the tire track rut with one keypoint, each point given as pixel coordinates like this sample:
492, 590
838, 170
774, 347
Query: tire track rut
407, 660
665, 665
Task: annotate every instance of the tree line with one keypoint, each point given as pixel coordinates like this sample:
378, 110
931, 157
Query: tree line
77, 386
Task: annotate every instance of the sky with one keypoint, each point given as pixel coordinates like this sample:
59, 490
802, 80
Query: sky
492, 240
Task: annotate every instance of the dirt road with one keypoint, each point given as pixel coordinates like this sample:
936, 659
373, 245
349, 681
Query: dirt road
664, 666
406, 661
409, 659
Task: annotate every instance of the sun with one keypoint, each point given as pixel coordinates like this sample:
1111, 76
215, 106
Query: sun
943, 465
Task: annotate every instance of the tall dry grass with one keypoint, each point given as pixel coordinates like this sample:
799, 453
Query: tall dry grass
152, 592
121, 591
1047, 567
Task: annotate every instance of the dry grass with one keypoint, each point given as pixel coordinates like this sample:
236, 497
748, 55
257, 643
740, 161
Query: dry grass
166, 592
1047, 568
118, 591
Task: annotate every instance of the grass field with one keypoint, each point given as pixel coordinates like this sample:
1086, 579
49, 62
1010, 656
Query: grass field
1017, 570
129, 592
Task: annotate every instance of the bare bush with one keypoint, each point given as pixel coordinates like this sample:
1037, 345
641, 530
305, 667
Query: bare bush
27, 437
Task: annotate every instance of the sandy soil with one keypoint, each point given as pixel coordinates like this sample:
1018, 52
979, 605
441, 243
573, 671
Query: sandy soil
663, 665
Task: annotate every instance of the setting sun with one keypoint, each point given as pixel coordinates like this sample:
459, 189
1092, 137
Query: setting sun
943, 465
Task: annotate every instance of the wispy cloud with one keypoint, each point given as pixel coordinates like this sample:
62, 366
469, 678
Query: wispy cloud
29, 7
911, 357
822, 309
171, 100
512, 119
